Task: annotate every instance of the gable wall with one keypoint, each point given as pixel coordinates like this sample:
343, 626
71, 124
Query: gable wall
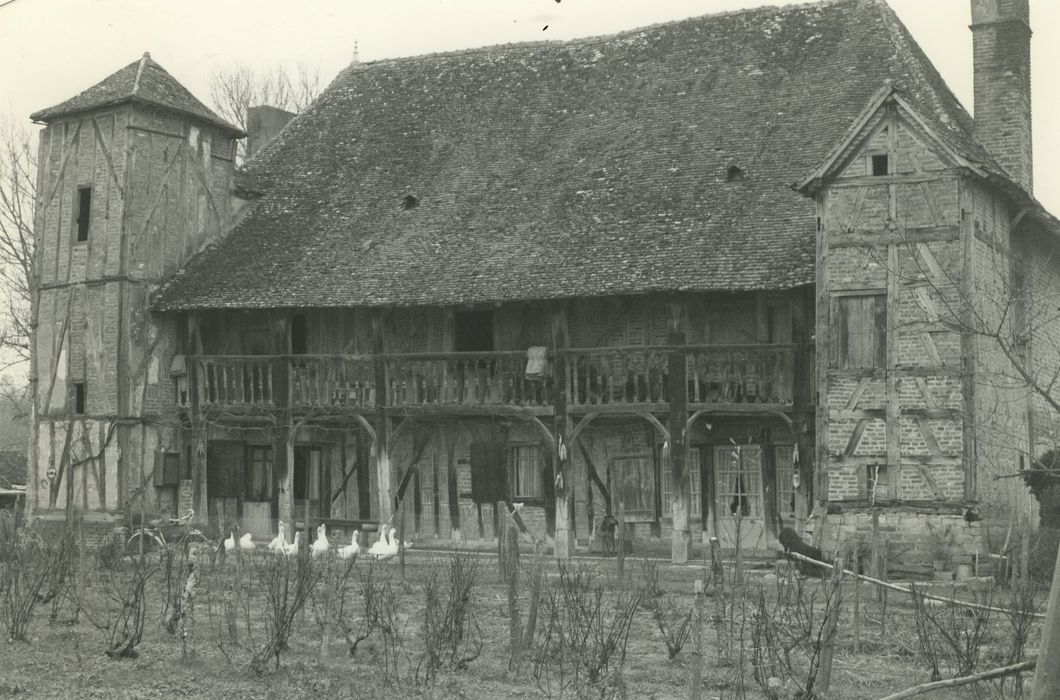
896, 236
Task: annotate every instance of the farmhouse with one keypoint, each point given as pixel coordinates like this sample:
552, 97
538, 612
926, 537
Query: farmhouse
725, 274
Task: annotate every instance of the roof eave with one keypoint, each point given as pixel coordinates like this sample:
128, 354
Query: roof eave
51, 114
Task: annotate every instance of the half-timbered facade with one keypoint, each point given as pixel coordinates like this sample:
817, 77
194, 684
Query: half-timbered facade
708, 275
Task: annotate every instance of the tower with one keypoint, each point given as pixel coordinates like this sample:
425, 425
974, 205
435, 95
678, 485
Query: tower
134, 175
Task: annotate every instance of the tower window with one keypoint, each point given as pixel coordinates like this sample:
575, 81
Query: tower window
879, 165
83, 212
79, 398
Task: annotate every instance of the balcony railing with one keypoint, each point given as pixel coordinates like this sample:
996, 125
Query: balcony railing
466, 378
740, 373
339, 380
233, 381
616, 376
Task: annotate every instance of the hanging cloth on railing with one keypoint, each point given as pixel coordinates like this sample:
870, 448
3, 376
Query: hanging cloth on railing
536, 362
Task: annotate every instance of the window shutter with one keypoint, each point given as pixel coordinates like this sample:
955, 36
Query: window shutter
489, 472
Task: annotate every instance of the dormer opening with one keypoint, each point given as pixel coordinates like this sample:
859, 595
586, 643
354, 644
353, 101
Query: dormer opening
879, 165
734, 174
411, 201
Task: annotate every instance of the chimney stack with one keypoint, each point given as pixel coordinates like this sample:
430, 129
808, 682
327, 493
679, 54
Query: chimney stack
263, 124
1001, 47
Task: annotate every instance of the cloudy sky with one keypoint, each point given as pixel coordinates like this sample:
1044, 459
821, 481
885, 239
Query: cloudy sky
52, 49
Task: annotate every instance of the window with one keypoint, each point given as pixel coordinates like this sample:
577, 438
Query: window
860, 324
879, 484
633, 477
83, 212
784, 455
473, 331
79, 398
411, 201
879, 165
739, 480
524, 471
259, 473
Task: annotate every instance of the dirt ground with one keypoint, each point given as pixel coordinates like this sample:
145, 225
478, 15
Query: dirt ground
64, 657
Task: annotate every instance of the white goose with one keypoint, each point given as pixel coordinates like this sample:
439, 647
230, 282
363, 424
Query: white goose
246, 543
383, 549
352, 549
320, 544
279, 541
292, 549
230, 543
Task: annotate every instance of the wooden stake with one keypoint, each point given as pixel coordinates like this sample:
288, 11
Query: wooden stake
695, 675
902, 589
831, 629
857, 600
1027, 665
621, 544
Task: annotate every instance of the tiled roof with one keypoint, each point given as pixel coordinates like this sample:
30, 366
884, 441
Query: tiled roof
142, 81
591, 167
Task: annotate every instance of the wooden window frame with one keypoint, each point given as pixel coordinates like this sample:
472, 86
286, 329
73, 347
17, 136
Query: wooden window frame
249, 462
840, 352
82, 213
538, 464
80, 398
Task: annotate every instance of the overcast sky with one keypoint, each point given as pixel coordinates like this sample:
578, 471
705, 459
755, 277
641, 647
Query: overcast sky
53, 49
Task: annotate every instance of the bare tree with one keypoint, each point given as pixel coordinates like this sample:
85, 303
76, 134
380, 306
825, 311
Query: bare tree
235, 90
18, 179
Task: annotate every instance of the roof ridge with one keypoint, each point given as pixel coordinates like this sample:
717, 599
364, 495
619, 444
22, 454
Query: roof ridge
140, 71
598, 39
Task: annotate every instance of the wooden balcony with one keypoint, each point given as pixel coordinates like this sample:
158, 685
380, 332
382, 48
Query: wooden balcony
613, 378
465, 379
236, 381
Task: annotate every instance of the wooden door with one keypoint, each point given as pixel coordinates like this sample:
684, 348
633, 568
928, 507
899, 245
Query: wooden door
738, 501
224, 482
259, 494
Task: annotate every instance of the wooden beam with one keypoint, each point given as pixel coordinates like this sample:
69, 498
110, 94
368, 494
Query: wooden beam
681, 507
879, 237
562, 479
969, 356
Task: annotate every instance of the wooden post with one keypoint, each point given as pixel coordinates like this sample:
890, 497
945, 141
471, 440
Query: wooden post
695, 675
561, 429
856, 557
678, 415
1047, 675
831, 629
621, 529
287, 484
380, 449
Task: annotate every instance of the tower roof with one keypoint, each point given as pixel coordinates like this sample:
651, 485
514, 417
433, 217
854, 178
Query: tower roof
143, 81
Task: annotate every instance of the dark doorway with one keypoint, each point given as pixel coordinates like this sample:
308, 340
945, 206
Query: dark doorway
299, 335
473, 331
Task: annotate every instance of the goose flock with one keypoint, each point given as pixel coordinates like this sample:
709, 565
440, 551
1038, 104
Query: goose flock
385, 548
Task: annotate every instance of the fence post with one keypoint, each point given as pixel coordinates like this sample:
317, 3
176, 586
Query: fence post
831, 629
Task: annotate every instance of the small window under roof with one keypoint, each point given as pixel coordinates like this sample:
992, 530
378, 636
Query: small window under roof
734, 174
879, 164
411, 202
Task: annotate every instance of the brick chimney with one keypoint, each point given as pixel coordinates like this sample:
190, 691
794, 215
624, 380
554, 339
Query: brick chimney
263, 124
1001, 48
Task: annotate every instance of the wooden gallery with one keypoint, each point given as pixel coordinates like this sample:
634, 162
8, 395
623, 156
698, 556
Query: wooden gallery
729, 273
